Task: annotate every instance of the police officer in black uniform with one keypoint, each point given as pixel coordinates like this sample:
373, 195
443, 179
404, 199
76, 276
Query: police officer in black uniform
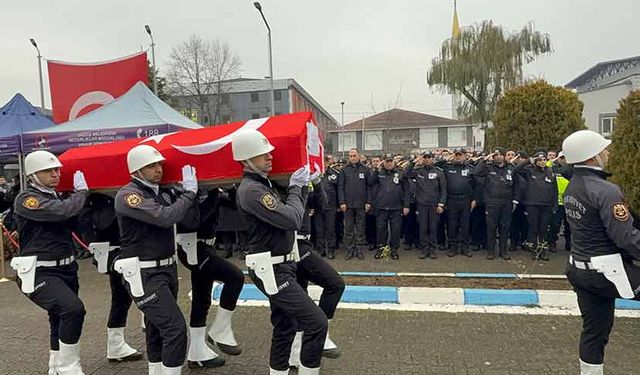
273, 221
105, 247
196, 236
431, 197
519, 226
325, 217
498, 196
353, 197
460, 201
538, 191
389, 197
146, 219
604, 245
46, 266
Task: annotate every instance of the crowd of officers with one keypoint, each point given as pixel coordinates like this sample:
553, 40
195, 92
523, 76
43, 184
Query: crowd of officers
454, 200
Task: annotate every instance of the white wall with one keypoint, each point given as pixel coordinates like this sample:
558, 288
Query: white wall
602, 101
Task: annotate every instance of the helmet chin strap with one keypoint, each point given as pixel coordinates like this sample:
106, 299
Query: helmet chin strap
38, 184
255, 169
599, 161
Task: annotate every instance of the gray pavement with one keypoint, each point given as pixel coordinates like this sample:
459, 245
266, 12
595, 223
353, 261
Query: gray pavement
374, 342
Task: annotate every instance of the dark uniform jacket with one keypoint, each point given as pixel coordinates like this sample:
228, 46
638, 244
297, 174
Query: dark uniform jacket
329, 184
538, 186
429, 185
499, 183
600, 221
460, 181
146, 220
352, 185
45, 221
389, 190
271, 219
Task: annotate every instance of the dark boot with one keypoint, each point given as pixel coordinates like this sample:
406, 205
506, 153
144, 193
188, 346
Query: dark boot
432, 253
350, 254
331, 254
553, 248
394, 254
464, 250
359, 253
544, 251
453, 251
424, 253
512, 246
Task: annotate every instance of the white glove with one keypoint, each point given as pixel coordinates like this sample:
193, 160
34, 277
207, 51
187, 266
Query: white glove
189, 181
315, 176
300, 177
79, 183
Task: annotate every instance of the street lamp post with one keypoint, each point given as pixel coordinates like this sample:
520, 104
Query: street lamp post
33, 42
153, 59
342, 104
259, 8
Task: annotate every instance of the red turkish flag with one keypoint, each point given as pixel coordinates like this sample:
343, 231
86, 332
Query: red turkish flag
295, 137
77, 89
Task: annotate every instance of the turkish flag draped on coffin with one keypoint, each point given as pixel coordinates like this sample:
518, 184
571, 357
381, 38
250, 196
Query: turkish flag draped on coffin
295, 137
78, 88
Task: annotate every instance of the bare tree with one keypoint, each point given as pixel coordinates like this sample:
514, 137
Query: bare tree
197, 72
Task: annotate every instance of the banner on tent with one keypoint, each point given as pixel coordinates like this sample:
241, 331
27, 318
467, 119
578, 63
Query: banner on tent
77, 89
295, 137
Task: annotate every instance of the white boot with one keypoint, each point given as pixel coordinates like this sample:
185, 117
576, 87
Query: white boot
308, 371
171, 370
68, 360
294, 357
200, 355
278, 372
589, 369
53, 368
330, 349
155, 368
117, 348
222, 334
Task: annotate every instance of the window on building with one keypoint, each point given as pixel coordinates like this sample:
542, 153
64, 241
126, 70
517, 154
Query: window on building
255, 97
277, 95
255, 116
373, 140
607, 125
346, 141
457, 137
429, 138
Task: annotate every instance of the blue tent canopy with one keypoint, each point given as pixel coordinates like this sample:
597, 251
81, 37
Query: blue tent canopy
16, 117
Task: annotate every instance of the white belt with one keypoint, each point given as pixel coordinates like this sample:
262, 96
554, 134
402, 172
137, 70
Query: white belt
306, 237
283, 258
158, 263
581, 265
55, 263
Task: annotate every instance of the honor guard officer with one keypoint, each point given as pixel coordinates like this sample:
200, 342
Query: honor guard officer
312, 267
273, 222
106, 250
389, 196
431, 197
46, 267
148, 263
498, 194
604, 245
196, 236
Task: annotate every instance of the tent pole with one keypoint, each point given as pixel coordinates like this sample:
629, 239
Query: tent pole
21, 167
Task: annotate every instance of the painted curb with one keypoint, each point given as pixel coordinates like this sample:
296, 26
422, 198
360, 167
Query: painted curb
476, 275
373, 295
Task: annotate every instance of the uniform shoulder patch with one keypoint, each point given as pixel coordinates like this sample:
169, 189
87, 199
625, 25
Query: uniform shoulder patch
269, 201
133, 199
31, 202
620, 211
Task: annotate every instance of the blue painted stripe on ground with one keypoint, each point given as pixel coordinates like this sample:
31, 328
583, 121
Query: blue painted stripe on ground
352, 294
500, 297
627, 304
370, 274
485, 275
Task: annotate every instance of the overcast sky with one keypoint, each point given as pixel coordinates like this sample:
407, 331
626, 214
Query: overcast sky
362, 52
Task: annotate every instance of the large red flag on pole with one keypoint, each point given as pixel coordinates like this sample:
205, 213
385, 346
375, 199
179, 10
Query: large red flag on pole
77, 88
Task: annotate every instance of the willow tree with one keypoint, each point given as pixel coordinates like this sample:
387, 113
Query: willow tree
483, 61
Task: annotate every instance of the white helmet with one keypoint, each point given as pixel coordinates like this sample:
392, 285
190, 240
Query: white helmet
141, 156
583, 145
40, 160
247, 144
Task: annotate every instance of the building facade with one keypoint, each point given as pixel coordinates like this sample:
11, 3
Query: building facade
245, 99
602, 87
401, 131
